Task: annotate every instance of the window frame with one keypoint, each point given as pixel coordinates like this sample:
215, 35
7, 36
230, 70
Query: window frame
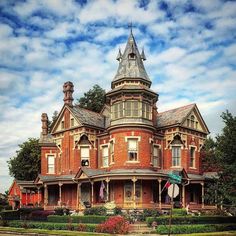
192, 159
158, 156
85, 158
111, 151
105, 157
176, 160
137, 139
50, 156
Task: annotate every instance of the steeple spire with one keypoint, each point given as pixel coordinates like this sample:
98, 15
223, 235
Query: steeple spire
131, 63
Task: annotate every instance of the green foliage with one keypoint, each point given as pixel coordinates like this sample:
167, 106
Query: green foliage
187, 229
221, 154
26, 164
191, 220
61, 211
50, 225
51, 123
117, 211
10, 215
77, 219
179, 212
99, 211
93, 100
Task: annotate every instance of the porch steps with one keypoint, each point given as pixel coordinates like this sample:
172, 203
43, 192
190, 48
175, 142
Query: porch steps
140, 228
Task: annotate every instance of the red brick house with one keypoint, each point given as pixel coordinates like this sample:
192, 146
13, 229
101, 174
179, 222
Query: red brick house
24, 194
124, 153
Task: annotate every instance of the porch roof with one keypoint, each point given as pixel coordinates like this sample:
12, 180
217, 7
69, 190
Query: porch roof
49, 178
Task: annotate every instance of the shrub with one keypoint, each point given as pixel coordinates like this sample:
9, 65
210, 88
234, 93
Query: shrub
77, 219
10, 215
118, 211
179, 212
114, 225
4, 223
151, 213
186, 229
61, 211
81, 227
99, 211
51, 226
191, 220
40, 215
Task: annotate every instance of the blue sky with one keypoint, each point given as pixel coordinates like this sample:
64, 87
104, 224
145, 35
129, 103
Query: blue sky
190, 48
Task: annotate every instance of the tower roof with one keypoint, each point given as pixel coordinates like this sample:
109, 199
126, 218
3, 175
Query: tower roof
131, 63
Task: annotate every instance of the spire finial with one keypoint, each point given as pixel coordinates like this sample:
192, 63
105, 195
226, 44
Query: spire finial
131, 27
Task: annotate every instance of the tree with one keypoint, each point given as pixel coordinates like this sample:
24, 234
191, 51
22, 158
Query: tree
224, 187
94, 99
51, 123
26, 164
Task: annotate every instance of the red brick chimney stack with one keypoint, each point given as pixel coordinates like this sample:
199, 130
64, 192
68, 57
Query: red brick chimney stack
68, 89
44, 119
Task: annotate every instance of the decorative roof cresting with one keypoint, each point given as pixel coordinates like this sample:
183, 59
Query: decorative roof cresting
131, 63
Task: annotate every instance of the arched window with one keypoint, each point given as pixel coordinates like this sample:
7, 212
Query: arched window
192, 121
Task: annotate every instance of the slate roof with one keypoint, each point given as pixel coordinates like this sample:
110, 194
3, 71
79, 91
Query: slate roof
87, 117
48, 178
174, 116
136, 70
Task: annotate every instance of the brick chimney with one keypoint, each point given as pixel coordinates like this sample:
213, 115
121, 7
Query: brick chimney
68, 89
44, 119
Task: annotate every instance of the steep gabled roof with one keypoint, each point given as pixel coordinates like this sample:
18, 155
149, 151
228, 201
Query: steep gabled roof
178, 116
174, 116
87, 117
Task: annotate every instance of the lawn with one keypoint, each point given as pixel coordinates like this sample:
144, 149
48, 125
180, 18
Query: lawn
49, 232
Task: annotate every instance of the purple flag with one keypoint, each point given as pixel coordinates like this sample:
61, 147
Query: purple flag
101, 193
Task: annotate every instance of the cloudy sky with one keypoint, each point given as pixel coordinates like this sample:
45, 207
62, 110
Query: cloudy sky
190, 48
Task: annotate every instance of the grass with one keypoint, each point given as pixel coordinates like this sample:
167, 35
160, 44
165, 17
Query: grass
49, 232
212, 233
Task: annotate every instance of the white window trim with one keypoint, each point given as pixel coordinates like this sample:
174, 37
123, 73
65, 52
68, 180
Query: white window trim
84, 158
111, 140
181, 147
101, 148
51, 155
138, 139
159, 147
194, 166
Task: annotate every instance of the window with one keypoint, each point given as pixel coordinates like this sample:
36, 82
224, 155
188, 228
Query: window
84, 152
62, 125
132, 149
132, 108
192, 121
176, 155
192, 157
146, 110
51, 164
117, 110
112, 152
105, 156
72, 122
156, 156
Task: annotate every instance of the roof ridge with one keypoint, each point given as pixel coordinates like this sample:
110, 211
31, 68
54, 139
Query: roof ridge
176, 108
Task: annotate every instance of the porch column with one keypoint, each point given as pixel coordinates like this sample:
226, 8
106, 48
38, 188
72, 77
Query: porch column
92, 193
183, 195
60, 185
38, 195
45, 195
21, 196
134, 192
26, 197
202, 195
78, 195
107, 181
159, 194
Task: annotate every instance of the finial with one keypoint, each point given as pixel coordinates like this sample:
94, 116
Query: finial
119, 56
130, 25
143, 57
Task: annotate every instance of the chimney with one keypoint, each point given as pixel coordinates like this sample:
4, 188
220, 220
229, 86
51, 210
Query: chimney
44, 119
68, 89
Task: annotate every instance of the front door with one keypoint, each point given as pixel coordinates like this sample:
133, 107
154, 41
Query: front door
129, 195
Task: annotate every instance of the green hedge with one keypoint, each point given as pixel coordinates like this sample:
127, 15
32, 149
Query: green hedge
77, 219
191, 220
187, 229
179, 212
10, 215
51, 226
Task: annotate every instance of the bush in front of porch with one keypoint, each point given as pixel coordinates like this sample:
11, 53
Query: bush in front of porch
187, 229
